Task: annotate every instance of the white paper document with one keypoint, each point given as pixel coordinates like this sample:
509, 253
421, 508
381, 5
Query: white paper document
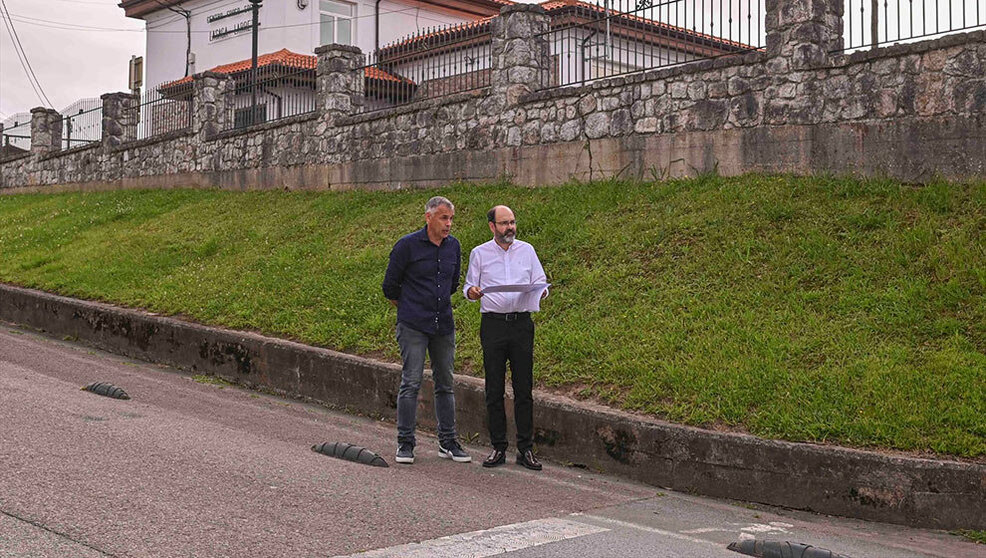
516, 288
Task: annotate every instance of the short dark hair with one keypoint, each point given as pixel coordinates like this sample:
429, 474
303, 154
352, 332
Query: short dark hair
491, 214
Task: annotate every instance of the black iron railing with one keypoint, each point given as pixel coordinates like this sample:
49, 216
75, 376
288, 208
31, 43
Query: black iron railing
271, 94
82, 127
160, 110
605, 38
16, 139
873, 23
434, 62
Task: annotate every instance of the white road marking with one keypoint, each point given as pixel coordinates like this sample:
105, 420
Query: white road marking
775, 527
490, 542
628, 525
706, 530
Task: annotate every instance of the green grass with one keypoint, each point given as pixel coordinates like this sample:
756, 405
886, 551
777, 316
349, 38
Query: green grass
821, 309
211, 380
978, 537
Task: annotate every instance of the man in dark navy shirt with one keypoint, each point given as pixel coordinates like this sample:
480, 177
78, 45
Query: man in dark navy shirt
422, 275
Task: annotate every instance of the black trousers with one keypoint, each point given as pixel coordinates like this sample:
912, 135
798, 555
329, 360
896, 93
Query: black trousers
512, 341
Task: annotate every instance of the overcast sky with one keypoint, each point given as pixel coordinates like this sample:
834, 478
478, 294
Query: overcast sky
69, 61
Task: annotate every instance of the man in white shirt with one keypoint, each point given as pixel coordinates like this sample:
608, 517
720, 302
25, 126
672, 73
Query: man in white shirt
507, 331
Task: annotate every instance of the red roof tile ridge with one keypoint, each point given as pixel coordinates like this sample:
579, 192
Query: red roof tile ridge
451, 29
284, 57
287, 58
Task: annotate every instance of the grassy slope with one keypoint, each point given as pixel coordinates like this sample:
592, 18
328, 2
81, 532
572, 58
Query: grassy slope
805, 309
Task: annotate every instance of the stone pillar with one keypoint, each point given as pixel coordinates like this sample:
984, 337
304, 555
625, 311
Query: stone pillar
210, 104
340, 80
46, 131
804, 32
119, 118
521, 51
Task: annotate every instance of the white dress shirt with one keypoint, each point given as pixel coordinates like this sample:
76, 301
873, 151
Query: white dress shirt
490, 265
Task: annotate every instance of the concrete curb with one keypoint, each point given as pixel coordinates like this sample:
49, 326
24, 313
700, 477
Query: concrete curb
910, 491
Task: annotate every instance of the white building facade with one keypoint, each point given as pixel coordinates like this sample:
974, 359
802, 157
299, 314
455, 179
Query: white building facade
221, 29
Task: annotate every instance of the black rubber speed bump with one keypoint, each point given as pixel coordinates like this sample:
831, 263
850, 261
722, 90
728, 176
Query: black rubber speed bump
108, 390
776, 549
350, 453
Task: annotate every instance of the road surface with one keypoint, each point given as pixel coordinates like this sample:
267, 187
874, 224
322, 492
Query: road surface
192, 469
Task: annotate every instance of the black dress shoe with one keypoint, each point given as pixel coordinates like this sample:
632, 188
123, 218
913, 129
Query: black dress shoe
528, 460
495, 459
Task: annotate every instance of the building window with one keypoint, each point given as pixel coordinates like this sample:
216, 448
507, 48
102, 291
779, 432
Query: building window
336, 23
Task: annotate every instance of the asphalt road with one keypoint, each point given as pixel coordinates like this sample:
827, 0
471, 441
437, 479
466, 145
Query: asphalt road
191, 469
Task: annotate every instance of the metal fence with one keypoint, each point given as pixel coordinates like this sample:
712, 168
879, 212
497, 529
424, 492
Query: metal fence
272, 93
604, 38
872, 23
160, 110
434, 62
82, 128
16, 139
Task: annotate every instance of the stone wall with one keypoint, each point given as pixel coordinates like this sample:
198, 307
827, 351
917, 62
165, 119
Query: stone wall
912, 111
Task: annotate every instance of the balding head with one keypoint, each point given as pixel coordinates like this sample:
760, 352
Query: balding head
496, 213
502, 224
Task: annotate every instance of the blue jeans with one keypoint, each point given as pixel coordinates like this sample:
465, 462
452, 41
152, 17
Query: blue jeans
441, 351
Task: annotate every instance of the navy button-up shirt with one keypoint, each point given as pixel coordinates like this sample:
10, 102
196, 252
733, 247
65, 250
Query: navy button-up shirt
421, 277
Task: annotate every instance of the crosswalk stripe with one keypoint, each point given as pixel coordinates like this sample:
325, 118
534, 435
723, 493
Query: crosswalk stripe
490, 542
670, 534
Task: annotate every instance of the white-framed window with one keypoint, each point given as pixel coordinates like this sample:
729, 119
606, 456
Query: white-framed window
336, 24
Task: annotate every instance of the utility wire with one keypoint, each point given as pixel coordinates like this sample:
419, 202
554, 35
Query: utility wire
22, 55
21, 60
73, 27
202, 8
35, 21
107, 4
188, 29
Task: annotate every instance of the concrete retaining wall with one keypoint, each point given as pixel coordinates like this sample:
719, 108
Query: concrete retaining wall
867, 485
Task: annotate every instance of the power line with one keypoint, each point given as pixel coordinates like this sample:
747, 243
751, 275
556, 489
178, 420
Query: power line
65, 26
203, 7
32, 21
21, 60
107, 4
188, 29
22, 55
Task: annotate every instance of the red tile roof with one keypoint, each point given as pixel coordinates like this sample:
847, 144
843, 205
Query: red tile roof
287, 59
466, 29
377, 73
283, 57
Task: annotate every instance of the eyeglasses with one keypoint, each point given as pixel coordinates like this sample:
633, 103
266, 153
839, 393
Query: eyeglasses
506, 223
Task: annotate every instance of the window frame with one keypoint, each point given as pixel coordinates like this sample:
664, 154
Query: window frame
336, 17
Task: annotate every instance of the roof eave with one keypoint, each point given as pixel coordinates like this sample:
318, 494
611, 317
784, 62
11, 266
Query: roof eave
137, 9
